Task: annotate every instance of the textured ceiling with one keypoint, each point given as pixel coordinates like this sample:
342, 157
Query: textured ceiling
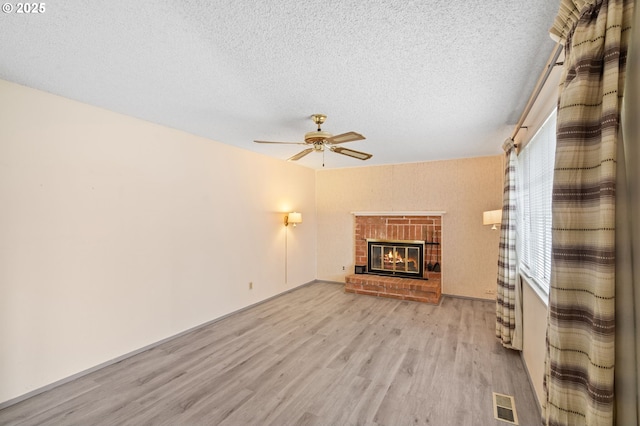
422, 80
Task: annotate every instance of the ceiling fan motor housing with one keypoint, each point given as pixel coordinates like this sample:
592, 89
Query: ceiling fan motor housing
313, 137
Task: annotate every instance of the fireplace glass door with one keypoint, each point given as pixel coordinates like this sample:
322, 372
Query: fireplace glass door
404, 258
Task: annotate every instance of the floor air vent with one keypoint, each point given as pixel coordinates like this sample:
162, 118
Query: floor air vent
504, 408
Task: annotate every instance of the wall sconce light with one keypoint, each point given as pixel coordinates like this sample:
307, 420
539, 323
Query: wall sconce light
293, 217
492, 217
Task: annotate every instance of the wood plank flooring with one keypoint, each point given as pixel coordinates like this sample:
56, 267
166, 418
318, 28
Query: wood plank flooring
314, 356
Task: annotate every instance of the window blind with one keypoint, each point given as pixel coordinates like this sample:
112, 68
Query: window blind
536, 163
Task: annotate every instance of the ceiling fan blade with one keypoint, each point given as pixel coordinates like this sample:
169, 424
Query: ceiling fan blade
351, 153
286, 143
300, 154
345, 137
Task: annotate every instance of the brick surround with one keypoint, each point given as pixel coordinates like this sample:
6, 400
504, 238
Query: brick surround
392, 227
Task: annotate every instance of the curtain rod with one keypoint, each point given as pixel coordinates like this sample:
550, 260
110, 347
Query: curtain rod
551, 62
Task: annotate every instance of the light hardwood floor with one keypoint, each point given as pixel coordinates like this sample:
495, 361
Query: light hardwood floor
314, 356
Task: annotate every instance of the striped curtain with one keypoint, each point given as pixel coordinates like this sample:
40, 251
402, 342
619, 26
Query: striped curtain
627, 392
579, 368
508, 294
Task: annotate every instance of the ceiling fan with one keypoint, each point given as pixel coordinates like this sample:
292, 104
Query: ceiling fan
319, 140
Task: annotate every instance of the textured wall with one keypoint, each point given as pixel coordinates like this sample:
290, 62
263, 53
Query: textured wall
462, 188
117, 233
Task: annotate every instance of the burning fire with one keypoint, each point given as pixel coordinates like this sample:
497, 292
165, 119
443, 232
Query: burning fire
393, 256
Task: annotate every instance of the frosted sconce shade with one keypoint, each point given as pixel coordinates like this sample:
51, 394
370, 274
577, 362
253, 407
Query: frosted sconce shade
293, 217
492, 217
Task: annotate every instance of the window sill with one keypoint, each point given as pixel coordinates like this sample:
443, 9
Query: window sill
542, 295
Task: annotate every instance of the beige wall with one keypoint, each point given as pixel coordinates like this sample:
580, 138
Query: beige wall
117, 233
462, 188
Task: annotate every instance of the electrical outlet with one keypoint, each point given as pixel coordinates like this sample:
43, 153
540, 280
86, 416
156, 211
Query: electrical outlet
490, 291
250, 285
343, 268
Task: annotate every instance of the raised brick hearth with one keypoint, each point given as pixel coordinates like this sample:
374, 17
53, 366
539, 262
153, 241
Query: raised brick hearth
396, 227
394, 287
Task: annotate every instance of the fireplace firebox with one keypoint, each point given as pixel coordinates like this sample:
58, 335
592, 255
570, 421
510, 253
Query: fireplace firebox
403, 258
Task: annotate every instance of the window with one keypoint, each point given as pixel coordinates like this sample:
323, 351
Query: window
536, 185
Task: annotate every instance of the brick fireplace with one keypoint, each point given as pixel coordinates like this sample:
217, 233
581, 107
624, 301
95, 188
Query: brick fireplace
391, 230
